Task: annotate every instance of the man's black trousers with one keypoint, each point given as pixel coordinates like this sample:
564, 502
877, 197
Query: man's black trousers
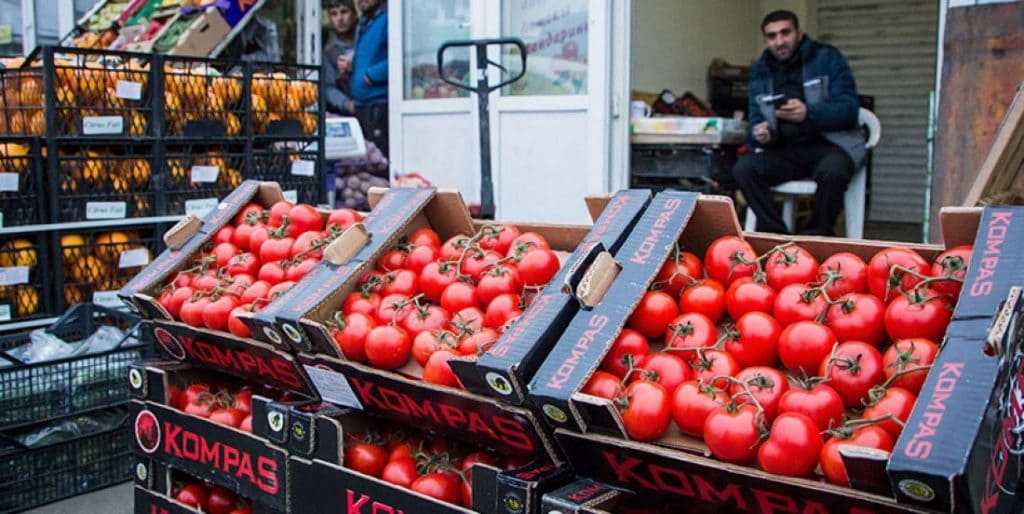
373, 119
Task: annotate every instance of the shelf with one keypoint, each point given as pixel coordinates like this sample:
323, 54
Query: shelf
86, 225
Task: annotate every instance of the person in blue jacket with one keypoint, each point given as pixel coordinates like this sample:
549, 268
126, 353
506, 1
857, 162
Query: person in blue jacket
368, 71
803, 118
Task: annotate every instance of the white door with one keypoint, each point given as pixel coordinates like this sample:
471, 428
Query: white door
550, 131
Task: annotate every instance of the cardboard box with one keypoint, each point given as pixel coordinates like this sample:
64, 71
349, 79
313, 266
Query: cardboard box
154, 487
204, 35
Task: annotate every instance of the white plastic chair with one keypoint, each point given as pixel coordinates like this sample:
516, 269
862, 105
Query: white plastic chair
853, 199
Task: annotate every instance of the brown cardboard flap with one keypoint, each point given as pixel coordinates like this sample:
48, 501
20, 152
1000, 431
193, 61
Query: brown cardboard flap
598, 278
268, 194
182, 231
596, 205
374, 194
959, 225
713, 217
448, 205
347, 245
995, 341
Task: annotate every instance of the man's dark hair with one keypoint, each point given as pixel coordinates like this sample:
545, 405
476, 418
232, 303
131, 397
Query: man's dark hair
780, 15
341, 3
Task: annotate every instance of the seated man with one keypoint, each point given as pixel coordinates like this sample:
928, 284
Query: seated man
803, 113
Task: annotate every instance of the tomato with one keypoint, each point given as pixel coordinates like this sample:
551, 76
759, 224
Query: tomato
446, 487
426, 319
193, 393
206, 282
365, 303
277, 213
850, 274
646, 415
272, 273
250, 213
224, 235
919, 314
951, 263
243, 401
228, 417
178, 298
391, 260
426, 343
202, 408
895, 401
243, 263
343, 218
690, 330
691, 404
400, 471
454, 246
857, 317
755, 340
804, 345
366, 458
425, 237
766, 384
296, 271
394, 308
496, 281
499, 238
388, 347
235, 325
706, 297
434, 278
276, 249
527, 242
372, 281
220, 501
309, 245
223, 252
628, 343
821, 403
538, 267
478, 343
798, 302
468, 320
401, 281
653, 314
438, 371
244, 234
679, 271
279, 289
192, 495
745, 295
502, 309
714, 363
790, 265
477, 262
868, 437
906, 355
459, 295
793, 446
732, 434
602, 384
729, 258
420, 256
855, 368
303, 218
192, 311
879, 282
351, 333
667, 369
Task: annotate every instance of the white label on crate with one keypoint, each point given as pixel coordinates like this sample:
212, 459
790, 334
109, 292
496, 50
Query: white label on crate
5, 313
205, 174
1, 219
105, 210
9, 182
134, 258
201, 206
129, 90
291, 195
107, 299
14, 275
93, 125
303, 168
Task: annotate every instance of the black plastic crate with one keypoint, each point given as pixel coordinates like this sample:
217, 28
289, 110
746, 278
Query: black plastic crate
106, 180
204, 98
25, 277
285, 100
21, 111
80, 454
196, 176
41, 391
293, 165
95, 264
21, 182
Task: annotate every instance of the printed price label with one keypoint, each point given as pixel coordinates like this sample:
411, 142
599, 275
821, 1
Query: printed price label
108, 299
129, 90
105, 210
5, 312
9, 182
205, 174
201, 206
134, 258
14, 275
93, 125
303, 168
292, 196
1, 219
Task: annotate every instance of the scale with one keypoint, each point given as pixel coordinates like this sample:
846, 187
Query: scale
343, 139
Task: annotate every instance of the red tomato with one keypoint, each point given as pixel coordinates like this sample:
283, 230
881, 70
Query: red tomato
667, 369
499, 238
223, 252
468, 320
798, 302
653, 314
629, 342
791, 265
496, 281
745, 295
426, 319
850, 274
192, 311
351, 334
434, 278
852, 371
920, 314
178, 298
272, 273
912, 358
243, 263
454, 246
342, 219
420, 256
388, 347
244, 235
225, 234
729, 258
646, 415
365, 303
372, 281
304, 218
438, 371
235, 325
477, 262
690, 330
691, 404
400, 471
401, 281
391, 260
250, 214
193, 393
501, 309
446, 487
296, 271
857, 317
714, 363
895, 401
679, 271
279, 289
821, 403
879, 282
309, 245
733, 435
192, 495
793, 447
276, 249
706, 297
527, 242
368, 459
766, 384
804, 345
228, 417
425, 237
458, 296
478, 343
538, 267
951, 263
868, 437
426, 343
393, 309
755, 340
602, 384
243, 401
220, 501
277, 213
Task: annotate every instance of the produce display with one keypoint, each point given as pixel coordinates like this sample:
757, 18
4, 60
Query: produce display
23, 298
355, 177
206, 497
101, 261
277, 96
775, 360
196, 90
225, 403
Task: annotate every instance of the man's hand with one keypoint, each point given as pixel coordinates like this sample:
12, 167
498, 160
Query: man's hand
793, 110
761, 133
344, 63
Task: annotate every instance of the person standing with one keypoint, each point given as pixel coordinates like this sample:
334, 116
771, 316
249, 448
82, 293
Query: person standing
803, 114
368, 72
343, 18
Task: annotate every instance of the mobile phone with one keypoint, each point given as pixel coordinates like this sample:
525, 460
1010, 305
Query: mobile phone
778, 101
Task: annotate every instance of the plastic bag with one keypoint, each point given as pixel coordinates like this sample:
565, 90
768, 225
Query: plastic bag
104, 339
